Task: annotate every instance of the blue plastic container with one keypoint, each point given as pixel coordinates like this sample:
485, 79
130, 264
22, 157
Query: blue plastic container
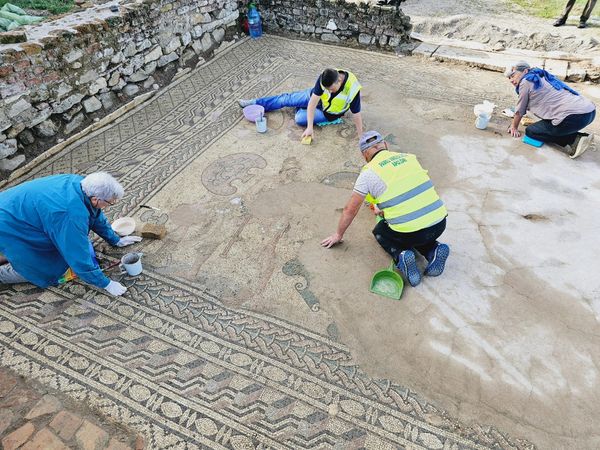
254, 22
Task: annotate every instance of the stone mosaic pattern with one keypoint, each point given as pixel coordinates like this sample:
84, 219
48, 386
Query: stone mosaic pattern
170, 360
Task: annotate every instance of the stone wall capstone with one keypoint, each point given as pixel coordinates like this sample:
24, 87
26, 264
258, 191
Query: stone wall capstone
335, 22
78, 68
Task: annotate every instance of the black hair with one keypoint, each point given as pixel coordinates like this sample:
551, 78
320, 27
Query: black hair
329, 77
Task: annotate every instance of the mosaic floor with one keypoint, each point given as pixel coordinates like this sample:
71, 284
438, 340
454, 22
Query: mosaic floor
171, 358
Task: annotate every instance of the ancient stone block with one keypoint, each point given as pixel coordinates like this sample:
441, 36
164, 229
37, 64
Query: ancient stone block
18, 107
140, 75
150, 68
206, 42
26, 137
173, 45
14, 131
130, 49
10, 89
68, 116
92, 104
218, 35
66, 104
114, 78
90, 75
144, 45
166, 59
153, 55
117, 58
131, 89
10, 164
330, 37
364, 39
108, 100
8, 148
75, 123
38, 117
99, 84
73, 56
148, 83
12, 37
186, 38
45, 129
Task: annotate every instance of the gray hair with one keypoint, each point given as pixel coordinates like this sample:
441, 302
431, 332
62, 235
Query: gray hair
103, 186
519, 66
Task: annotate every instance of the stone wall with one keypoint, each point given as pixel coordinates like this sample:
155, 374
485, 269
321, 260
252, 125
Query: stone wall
80, 67
336, 22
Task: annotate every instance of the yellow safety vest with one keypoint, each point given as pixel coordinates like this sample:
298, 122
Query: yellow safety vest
410, 202
341, 102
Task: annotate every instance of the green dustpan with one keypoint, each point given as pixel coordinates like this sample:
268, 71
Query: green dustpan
387, 282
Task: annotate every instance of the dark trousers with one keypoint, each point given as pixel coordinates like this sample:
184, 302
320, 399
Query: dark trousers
562, 134
585, 15
393, 242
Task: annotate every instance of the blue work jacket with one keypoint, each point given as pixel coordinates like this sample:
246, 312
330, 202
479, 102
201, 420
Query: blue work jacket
44, 227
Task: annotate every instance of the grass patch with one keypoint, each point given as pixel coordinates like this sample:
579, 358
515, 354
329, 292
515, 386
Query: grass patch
544, 8
54, 6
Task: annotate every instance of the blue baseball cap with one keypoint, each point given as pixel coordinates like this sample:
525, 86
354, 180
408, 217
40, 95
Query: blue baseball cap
369, 139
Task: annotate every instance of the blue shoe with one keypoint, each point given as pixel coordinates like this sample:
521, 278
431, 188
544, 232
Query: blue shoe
243, 103
407, 264
437, 260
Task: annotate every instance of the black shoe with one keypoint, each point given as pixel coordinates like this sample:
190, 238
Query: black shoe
559, 22
582, 25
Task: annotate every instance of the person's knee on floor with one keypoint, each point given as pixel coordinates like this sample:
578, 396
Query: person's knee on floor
301, 118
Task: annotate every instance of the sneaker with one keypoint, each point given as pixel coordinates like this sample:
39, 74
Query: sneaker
582, 145
407, 264
582, 25
437, 260
243, 103
559, 23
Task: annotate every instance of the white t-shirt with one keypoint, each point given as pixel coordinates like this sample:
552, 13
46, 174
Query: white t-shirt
368, 182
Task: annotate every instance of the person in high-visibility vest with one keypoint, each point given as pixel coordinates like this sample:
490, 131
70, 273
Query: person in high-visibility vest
334, 93
413, 215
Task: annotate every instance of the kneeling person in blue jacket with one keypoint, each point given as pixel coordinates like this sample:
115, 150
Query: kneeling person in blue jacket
44, 227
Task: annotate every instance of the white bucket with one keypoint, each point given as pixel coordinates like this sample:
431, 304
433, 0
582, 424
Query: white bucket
482, 121
131, 263
261, 124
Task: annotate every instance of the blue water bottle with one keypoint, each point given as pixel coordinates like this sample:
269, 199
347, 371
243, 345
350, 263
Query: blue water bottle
254, 25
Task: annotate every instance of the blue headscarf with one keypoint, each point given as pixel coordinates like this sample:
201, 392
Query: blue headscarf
535, 75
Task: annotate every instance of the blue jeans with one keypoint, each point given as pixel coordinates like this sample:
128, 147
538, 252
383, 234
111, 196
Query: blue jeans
298, 99
562, 134
8, 275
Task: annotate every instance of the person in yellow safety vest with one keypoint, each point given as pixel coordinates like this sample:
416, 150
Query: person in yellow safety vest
401, 192
334, 93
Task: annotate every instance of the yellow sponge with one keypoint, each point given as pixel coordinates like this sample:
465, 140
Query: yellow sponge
307, 140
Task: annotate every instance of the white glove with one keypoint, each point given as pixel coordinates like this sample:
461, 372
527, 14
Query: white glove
128, 240
115, 288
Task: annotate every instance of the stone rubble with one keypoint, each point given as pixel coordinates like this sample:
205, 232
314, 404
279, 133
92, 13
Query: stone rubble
82, 68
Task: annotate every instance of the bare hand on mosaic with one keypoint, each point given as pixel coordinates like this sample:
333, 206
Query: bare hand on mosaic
128, 240
329, 242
